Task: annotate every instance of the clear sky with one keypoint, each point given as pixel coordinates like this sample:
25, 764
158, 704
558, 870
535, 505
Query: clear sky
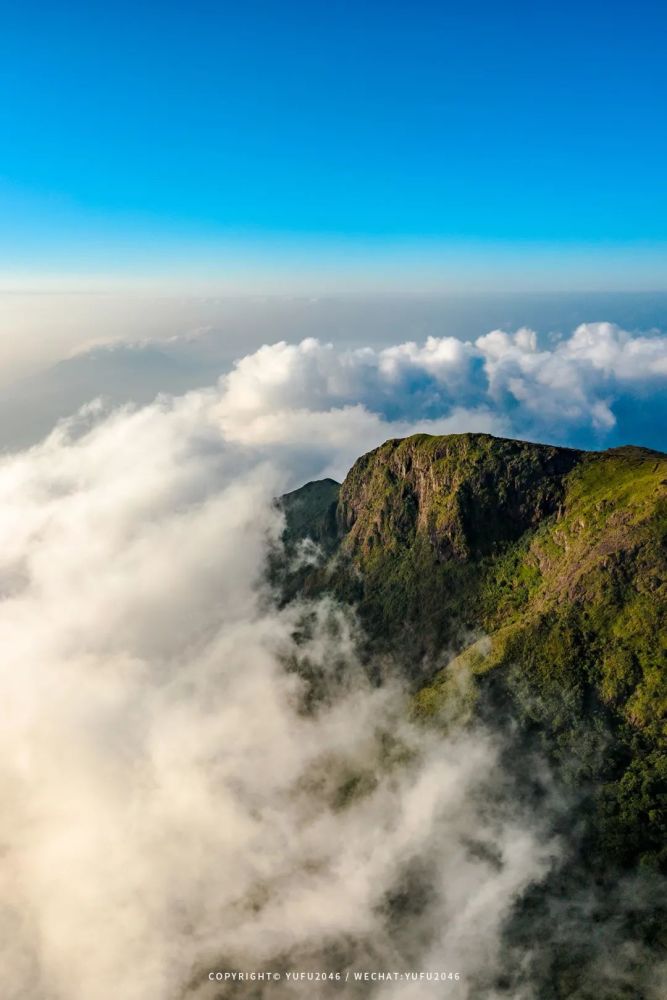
466, 143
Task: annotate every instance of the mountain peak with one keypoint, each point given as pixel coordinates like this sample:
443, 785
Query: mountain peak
465, 493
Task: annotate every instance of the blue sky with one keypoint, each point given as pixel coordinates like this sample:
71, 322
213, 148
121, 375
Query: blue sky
224, 138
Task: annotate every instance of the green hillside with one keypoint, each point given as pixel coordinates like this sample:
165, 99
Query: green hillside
525, 586
533, 579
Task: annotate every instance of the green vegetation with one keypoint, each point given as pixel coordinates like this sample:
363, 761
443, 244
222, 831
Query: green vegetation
517, 578
311, 512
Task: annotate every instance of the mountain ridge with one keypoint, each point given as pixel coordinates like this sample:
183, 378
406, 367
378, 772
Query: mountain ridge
556, 557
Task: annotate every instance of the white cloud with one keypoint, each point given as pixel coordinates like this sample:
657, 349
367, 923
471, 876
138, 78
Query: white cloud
502, 383
599, 386
574, 386
167, 808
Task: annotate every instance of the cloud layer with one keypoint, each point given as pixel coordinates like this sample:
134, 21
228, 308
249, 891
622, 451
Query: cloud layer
599, 387
168, 807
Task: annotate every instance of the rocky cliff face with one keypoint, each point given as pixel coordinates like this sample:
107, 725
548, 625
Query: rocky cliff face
464, 494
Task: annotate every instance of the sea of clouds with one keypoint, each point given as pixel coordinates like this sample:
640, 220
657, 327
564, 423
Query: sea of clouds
597, 387
168, 808
600, 386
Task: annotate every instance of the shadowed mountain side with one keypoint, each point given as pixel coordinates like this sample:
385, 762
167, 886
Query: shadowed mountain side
310, 512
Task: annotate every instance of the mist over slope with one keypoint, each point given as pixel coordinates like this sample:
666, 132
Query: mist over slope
200, 775
173, 799
524, 587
